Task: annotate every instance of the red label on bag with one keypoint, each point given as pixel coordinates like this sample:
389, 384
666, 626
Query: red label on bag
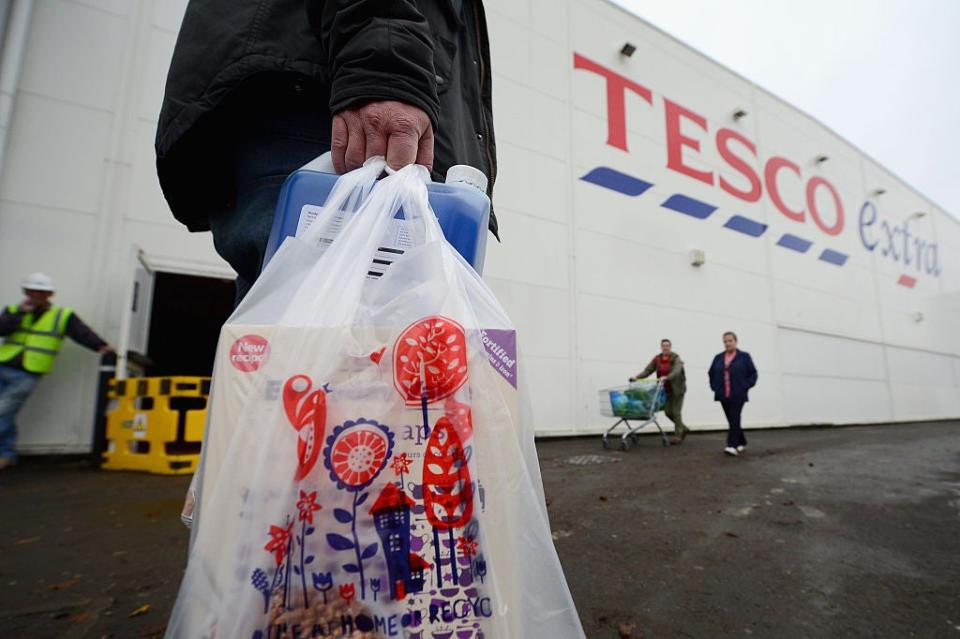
249, 353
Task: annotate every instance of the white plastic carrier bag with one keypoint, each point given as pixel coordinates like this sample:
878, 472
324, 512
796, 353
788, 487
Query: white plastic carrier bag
365, 469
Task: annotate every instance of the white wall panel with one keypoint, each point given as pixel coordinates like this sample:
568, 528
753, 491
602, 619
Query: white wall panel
819, 400
150, 94
916, 401
550, 381
74, 53
621, 269
531, 119
517, 10
72, 234
542, 192
549, 18
550, 66
55, 155
541, 261
167, 14
116, 7
825, 356
926, 369
629, 333
509, 47
541, 315
145, 202
803, 307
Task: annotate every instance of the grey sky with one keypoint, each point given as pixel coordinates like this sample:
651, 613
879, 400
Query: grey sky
884, 74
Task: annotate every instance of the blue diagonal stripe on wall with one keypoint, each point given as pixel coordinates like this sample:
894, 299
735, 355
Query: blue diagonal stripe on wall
794, 243
689, 206
746, 226
834, 257
616, 181
628, 185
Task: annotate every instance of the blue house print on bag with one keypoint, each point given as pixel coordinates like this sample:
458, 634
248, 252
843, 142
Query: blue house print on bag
391, 515
417, 568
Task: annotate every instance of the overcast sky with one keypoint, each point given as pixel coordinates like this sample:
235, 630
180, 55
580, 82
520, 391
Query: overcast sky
884, 74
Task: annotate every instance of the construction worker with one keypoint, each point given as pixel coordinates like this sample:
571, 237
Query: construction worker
32, 333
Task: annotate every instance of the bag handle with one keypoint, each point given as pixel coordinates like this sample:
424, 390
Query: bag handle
417, 209
325, 300
330, 292
347, 195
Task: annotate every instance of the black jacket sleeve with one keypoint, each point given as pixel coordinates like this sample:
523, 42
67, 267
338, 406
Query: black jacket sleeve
751, 370
10, 322
376, 50
83, 334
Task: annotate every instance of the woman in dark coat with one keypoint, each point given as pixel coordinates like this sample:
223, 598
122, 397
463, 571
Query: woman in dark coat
732, 374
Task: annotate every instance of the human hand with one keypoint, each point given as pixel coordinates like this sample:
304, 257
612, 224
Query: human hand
400, 132
27, 305
106, 349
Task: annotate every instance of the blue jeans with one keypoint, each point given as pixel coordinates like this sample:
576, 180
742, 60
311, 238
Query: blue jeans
15, 387
270, 143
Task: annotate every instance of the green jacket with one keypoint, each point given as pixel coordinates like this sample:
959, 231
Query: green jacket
677, 376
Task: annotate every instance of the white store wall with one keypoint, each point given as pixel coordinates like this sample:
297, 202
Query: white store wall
602, 276
593, 278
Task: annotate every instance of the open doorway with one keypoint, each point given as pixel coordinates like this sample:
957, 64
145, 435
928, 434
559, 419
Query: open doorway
185, 320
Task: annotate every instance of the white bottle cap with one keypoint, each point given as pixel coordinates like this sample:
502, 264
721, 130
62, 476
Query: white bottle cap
466, 174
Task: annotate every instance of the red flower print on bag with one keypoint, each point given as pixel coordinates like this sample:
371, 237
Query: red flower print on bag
430, 360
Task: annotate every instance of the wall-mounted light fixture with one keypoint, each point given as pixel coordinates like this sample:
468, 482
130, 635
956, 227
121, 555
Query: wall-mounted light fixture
820, 159
739, 114
878, 192
697, 257
627, 50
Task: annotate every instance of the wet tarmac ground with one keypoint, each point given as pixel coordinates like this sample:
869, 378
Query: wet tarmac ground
841, 532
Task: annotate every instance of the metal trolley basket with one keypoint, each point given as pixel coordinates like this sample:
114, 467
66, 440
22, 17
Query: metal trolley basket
638, 402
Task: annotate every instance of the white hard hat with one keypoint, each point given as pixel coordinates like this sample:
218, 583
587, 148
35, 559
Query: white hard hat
37, 282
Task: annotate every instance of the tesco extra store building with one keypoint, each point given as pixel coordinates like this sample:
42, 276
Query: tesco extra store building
641, 197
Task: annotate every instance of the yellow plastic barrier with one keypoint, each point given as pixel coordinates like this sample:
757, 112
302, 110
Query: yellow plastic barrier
155, 424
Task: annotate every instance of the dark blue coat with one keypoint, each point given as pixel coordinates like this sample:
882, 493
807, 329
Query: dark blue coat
743, 377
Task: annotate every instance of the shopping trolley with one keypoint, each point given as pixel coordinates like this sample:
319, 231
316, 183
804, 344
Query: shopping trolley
639, 401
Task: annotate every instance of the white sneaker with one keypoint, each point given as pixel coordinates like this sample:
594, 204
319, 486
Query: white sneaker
730, 450
740, 449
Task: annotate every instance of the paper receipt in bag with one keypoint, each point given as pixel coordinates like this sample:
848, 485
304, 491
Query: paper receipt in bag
249, 353
395, 241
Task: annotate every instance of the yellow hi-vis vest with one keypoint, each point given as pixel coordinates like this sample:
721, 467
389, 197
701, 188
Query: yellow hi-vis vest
39, 339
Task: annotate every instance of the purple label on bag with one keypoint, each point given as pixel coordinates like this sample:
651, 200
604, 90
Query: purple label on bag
501, 348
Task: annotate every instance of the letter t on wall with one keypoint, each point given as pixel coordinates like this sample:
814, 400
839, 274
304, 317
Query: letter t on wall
617, 86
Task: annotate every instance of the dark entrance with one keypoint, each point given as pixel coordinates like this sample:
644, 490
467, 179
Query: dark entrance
185, 322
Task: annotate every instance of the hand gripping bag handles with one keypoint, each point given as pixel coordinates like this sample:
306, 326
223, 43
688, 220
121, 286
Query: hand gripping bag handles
366, 472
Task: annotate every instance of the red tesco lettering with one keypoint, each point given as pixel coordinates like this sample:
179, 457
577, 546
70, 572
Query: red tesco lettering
686, 132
